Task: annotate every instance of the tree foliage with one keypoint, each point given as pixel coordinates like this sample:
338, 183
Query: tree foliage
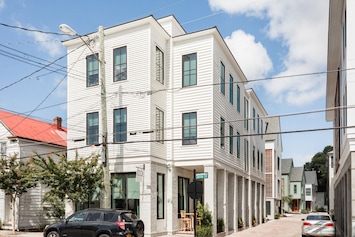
16, 177
319, 163
76, 180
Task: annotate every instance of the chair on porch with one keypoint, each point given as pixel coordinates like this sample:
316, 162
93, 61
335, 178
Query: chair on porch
185, 222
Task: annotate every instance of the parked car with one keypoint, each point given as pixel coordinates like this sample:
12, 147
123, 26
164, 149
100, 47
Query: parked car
318, 224
98, 222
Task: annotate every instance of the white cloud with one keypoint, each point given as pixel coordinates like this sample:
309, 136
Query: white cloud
2, 4
301, 27
47, 43
244, 48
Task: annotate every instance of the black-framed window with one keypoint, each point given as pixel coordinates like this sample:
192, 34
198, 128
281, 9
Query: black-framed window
223, 79
189, 128
238, 98
222, 132
120, 125
254, 121
189, 70
238, 145
246, 154
159, 125
253, 156
231, 139
92, 128
120, 64
295, 189
92, 70
159, 65
231, 91
246, 113
160, 195
183, 197
125, 192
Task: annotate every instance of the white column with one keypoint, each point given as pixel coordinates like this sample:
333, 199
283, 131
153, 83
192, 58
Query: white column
235, 201
225, 200
210, 194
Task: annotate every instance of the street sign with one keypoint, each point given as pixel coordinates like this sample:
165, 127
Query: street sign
201, 175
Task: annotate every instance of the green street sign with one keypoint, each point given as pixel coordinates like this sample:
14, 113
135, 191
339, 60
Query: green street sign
201, 175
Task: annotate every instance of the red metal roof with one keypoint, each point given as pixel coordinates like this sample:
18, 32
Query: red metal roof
32, 129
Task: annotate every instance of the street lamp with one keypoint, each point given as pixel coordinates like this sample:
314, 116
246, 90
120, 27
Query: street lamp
104, 156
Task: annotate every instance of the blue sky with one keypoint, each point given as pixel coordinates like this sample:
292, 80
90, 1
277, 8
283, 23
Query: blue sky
286, 40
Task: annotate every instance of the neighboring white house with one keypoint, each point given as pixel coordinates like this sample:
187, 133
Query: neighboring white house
273, 156
339, 102
311, 188
176, 102
25, 136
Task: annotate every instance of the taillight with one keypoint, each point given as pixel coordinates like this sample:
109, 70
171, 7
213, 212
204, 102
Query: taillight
120, 224
306, 223
329, 224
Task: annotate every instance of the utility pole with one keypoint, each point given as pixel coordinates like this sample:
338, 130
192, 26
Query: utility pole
104, 155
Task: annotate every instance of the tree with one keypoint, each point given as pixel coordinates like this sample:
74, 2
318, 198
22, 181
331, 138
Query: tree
287, 200
16, 176
319, 163
76, 180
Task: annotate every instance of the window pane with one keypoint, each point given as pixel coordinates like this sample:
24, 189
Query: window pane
223, 82
160, 196
159, 67
231, 93
222, 132
120, 64
92, 128
92, 70
189, 128
120, 125
159, 125
189, 68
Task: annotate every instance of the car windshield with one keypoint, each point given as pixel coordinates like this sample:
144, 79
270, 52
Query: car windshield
318, 217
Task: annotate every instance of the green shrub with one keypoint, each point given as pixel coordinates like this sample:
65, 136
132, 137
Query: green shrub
240, 222
0, 225
205, 230
220, 225
277, 216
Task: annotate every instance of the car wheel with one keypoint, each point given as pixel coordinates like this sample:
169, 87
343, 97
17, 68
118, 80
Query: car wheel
52, 233
104, 235
138, 228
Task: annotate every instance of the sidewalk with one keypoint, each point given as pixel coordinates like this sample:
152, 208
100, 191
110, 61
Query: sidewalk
8, 233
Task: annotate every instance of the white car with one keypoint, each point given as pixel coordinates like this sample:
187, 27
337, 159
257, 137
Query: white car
318, 224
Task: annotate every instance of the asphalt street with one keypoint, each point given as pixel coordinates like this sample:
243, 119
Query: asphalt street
289, 226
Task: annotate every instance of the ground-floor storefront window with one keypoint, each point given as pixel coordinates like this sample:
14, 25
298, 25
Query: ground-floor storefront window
125, 192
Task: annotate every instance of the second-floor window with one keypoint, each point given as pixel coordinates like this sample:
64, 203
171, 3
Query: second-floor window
189, 128
189, 70
92, 70
92, 128
294, 188
120, 64
120, 125
222, 132
159, 65
238, 145
159, 125
231, 139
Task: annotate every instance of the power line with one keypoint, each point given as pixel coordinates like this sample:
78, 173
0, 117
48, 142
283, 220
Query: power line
31, 30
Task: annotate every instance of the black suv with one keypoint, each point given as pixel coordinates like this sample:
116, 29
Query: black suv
97, 222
